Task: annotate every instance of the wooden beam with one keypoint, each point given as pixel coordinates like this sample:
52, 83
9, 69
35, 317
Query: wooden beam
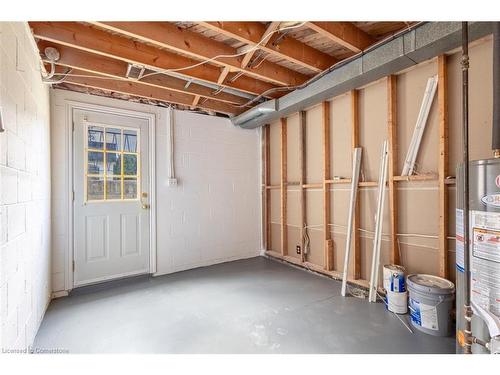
273, 26
315, 268
169, 36
368, 184
223, 75
283, 188
266, 178
303, 179
135, 89
264, 192
312, 186
268, 182
393, 160
343, 33
356, 264
89, 62
195, 101
443, 165
286, 48
328, 249
102, 43
417, 177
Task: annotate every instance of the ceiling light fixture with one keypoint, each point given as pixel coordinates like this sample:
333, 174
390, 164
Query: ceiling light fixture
134, 71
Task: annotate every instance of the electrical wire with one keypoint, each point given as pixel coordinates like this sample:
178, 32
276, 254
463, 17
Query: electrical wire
255, 47
260, 62
326, 71
357, 292
307, 240
92, 76
397, 316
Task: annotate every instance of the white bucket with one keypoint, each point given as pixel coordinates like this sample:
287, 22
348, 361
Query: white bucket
394, 278
397, 302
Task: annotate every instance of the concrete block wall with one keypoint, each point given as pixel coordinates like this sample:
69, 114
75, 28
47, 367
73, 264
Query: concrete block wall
212, 216
24, 189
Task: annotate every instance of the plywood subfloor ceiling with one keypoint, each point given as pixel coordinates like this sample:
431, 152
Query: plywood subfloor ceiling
220, 68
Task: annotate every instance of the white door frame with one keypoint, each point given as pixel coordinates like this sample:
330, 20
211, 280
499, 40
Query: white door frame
71, 106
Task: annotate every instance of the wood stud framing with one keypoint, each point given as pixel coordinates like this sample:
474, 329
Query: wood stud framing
326, 188
443, 165
266, 180
393, 179
356, 264
104, 49
283, 188
303, 180
393, 159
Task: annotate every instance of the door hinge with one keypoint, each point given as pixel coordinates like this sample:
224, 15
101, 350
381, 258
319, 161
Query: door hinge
73, 193
73, 126
73, 266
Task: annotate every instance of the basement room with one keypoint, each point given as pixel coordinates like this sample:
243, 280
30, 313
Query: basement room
298, 181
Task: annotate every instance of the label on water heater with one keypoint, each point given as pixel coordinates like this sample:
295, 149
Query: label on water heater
424, 315
459, 247
485, 260
492, 200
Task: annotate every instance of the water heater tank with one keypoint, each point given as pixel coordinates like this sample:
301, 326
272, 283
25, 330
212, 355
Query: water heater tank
484, 252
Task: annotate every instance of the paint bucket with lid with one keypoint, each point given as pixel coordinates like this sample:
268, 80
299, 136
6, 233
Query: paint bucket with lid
397, 302
431, 302
394, 278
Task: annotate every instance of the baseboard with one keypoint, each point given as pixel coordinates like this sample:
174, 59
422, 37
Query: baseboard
59, 294
208, 263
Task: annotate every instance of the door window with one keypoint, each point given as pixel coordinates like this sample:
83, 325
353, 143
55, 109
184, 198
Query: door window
112, 163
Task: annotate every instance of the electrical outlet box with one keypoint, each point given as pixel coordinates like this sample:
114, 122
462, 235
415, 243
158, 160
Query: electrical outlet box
298, 249
172, 182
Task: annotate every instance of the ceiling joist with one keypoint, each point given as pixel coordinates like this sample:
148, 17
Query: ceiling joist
218, 67
288, 48
85, 61
132, 88
343, 33
273, 26
167, 35
99, 42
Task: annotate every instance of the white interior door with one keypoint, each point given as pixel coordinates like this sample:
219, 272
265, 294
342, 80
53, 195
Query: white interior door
111, 202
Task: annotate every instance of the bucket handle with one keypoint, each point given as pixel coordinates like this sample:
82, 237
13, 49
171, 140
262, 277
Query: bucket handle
441, 300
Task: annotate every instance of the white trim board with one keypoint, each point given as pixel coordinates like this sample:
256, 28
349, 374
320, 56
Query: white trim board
418, 132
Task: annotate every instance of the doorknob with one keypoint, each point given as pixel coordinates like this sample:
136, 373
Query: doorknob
145, 205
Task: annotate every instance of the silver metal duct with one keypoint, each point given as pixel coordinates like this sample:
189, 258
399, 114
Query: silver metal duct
425, 41
255, 113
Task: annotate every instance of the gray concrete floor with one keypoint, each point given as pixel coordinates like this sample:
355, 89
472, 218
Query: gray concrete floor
255, 305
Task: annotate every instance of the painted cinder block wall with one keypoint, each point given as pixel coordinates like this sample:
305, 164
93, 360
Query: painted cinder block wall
24, 189
212, 216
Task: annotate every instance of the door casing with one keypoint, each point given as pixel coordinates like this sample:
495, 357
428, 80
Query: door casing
71, 106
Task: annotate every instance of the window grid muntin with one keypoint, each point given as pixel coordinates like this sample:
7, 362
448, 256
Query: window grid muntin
103, 151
